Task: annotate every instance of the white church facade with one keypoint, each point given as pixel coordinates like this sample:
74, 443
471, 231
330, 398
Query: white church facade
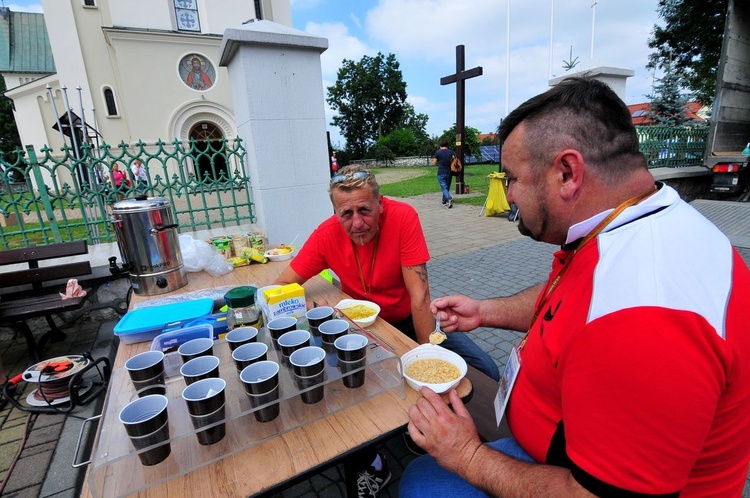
132, 70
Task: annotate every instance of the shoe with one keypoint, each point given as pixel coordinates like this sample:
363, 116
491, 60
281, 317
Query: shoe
412, 446
370, 482
450, 203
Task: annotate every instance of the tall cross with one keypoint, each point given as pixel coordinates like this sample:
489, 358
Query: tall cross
459, 78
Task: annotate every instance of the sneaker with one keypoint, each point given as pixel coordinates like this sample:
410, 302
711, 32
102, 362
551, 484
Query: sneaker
412, 446
370, 482
450, 203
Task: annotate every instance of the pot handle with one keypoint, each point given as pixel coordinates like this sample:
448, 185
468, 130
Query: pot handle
161, 228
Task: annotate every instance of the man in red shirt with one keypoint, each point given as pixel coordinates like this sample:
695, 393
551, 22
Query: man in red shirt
377, 248
634, 376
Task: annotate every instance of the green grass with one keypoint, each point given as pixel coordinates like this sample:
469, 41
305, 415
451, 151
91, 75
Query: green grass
475, 176
34, 235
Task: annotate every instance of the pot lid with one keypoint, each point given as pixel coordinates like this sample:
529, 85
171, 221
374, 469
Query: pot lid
141, 203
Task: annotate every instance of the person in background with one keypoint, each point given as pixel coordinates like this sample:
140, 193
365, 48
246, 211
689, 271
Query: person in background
119, 179
334, 163
139, 174
442, 160
634, 376
377, 248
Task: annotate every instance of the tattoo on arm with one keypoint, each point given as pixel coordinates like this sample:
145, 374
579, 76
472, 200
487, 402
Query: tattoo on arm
421, 271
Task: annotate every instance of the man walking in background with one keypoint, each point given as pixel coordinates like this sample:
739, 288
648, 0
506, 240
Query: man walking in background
442, 160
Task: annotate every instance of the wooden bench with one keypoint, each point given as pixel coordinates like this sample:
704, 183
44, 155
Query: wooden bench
39, 301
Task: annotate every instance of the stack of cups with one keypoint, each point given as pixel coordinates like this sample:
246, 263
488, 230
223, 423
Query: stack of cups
249, 353
205, 400
261, 381
146, 422
332, 330
146, 370
202, 346
316, 316
279, 326
291, 342
309, 370
200, 368
352, 355
241, 335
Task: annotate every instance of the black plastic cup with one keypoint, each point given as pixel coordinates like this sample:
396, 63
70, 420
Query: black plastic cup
308, 361
239, 336
215, 432
200, 368
205, 396
351, 347
144, 415
157, 385
158, 452
333, 329
202, 346
260, 378
145, 366
292, 341
146, 422
269, 410
357, 378
318, 315
249, 353
279, 326
303, 383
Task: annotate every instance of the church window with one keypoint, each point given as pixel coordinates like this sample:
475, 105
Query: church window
186, 14
109, 99
258, 10
89, 3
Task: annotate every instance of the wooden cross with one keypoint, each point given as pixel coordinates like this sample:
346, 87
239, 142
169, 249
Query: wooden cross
459, 78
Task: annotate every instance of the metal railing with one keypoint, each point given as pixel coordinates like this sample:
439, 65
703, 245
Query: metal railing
47, 198
673, 147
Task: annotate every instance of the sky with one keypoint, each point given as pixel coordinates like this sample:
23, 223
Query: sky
423, 35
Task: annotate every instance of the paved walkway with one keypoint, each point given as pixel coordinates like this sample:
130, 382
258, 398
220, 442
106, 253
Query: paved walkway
472, 255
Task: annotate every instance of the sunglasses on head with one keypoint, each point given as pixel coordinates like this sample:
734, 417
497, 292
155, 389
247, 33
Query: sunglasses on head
356, 175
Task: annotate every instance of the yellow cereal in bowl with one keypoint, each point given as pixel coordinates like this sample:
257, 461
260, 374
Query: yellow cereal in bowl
433, 371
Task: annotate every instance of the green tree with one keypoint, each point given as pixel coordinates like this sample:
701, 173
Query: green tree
690, 40
401, 142
470, 142
369, 97
9, 138
668, 102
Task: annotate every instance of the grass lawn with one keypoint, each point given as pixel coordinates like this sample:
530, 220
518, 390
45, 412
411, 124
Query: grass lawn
475, 176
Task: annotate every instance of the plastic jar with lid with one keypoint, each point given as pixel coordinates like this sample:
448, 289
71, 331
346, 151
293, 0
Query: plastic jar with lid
241, 308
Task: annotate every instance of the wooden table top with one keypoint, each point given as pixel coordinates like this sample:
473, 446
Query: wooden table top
282, 457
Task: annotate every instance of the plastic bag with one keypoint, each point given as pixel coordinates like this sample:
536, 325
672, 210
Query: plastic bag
199, 255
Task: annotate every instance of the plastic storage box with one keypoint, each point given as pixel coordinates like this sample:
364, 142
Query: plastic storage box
168, 342
144, 324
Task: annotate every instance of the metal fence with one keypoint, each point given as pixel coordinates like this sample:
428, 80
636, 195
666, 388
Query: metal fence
673, 147
63, 197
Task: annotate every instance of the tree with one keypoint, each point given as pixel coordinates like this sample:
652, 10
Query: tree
369, 97
9, 138
690, 40
470, 142
401, 142
667, 102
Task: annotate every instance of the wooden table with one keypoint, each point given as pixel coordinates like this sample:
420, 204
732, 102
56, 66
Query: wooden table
307, 449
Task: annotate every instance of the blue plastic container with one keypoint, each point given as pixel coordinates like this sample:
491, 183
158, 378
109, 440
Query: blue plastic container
144, 324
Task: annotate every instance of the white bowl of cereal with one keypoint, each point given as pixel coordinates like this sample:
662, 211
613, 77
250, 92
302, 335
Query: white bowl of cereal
363, 313
433, 366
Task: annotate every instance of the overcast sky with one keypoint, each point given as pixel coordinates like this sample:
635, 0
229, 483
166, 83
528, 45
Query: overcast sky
423, 34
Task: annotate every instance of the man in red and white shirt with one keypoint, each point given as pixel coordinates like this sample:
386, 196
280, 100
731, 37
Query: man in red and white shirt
634, 377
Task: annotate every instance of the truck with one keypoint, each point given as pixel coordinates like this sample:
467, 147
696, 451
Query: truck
729, 128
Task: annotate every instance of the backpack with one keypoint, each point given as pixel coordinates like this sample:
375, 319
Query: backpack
455, 165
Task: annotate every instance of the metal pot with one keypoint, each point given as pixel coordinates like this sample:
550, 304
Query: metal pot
149, 244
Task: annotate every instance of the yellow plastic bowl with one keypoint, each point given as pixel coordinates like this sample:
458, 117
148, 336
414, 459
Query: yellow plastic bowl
429, 352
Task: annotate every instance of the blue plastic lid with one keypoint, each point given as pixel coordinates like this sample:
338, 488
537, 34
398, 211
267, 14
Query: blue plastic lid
162, 316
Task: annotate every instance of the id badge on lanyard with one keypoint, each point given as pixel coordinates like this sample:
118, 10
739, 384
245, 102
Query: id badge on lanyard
507, 381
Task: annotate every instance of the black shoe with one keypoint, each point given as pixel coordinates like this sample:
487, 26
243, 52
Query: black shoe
412, 446
370, 482
450, 203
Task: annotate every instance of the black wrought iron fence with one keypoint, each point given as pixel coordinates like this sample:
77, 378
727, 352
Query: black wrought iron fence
47, 197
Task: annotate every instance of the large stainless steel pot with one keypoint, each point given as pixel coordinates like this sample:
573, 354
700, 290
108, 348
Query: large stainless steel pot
150, 248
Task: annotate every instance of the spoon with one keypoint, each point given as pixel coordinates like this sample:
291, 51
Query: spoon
438, 335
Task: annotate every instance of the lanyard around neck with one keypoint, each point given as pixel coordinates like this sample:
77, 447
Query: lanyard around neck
365, 287
590, 236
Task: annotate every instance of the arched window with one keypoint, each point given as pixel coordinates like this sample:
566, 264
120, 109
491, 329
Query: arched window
109, 99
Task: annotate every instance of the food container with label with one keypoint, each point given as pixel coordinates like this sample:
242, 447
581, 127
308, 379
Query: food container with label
241, 308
